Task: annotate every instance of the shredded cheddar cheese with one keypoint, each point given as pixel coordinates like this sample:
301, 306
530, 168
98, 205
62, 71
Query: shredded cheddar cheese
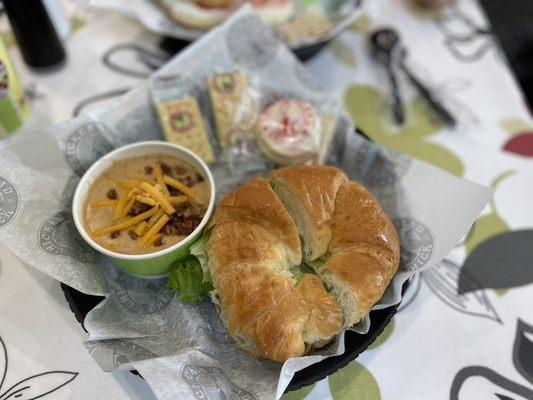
145, 179
104, 203
139, 229
126, 183
126, 224
154, 218
133, 192
180, 186
159, 177
177, 199
120, 206
151, 241
158, 197
154, 230
145, 200
128, 207
123, 203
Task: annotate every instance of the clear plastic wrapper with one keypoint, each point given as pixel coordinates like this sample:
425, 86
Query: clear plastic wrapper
180, 115
294, 128
234, 105
251, 120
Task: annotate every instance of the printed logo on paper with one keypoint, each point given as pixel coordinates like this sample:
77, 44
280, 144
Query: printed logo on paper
110, 354
416, 243
68, 191
142, 296
58, 236
211, 383
214, 325
4, 81
306, 78
250, 43
87, 144
9, 202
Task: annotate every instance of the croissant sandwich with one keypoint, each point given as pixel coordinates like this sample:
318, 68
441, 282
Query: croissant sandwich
295, 258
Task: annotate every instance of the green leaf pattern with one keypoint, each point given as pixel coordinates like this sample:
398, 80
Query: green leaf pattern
385, 335
490, 224
363, 24
77, 22
515, 125
486, 227
354, 382
298, 394
365, 105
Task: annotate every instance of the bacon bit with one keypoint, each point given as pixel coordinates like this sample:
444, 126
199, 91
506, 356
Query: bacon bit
138, 208
148, 170
114, 235
112, 194
165, 168
199, 177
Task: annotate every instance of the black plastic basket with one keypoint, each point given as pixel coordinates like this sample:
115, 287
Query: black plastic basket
355, 343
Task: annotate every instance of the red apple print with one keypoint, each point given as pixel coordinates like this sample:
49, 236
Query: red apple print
521, 143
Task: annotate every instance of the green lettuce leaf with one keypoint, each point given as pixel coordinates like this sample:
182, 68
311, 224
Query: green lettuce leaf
198, 250
297, 274
315, 264
187, 278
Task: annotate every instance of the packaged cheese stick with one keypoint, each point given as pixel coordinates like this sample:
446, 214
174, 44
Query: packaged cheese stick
179, 114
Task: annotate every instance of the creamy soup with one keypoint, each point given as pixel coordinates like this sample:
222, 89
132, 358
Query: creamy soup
145, 204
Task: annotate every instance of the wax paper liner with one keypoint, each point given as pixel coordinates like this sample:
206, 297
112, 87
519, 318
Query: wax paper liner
148, 12
183, 350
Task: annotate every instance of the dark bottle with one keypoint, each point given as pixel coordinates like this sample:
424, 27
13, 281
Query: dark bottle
36, 36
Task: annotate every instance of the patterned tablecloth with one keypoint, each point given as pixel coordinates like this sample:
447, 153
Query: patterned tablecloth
465, 328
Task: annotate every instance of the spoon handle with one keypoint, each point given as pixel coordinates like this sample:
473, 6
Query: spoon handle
437, 106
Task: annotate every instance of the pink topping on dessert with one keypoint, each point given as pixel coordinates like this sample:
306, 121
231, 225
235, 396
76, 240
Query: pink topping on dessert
290, 126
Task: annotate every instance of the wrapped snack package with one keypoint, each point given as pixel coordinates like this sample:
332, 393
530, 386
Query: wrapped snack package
180, 115
288, 132
295, 129
234, 105
288, 128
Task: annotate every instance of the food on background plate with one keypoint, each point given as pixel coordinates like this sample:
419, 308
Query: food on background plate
180, 115
204, 14
311, 23
233, 104
276, 300
144, 204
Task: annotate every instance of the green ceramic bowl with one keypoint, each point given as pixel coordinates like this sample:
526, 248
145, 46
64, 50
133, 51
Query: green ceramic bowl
153, 264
